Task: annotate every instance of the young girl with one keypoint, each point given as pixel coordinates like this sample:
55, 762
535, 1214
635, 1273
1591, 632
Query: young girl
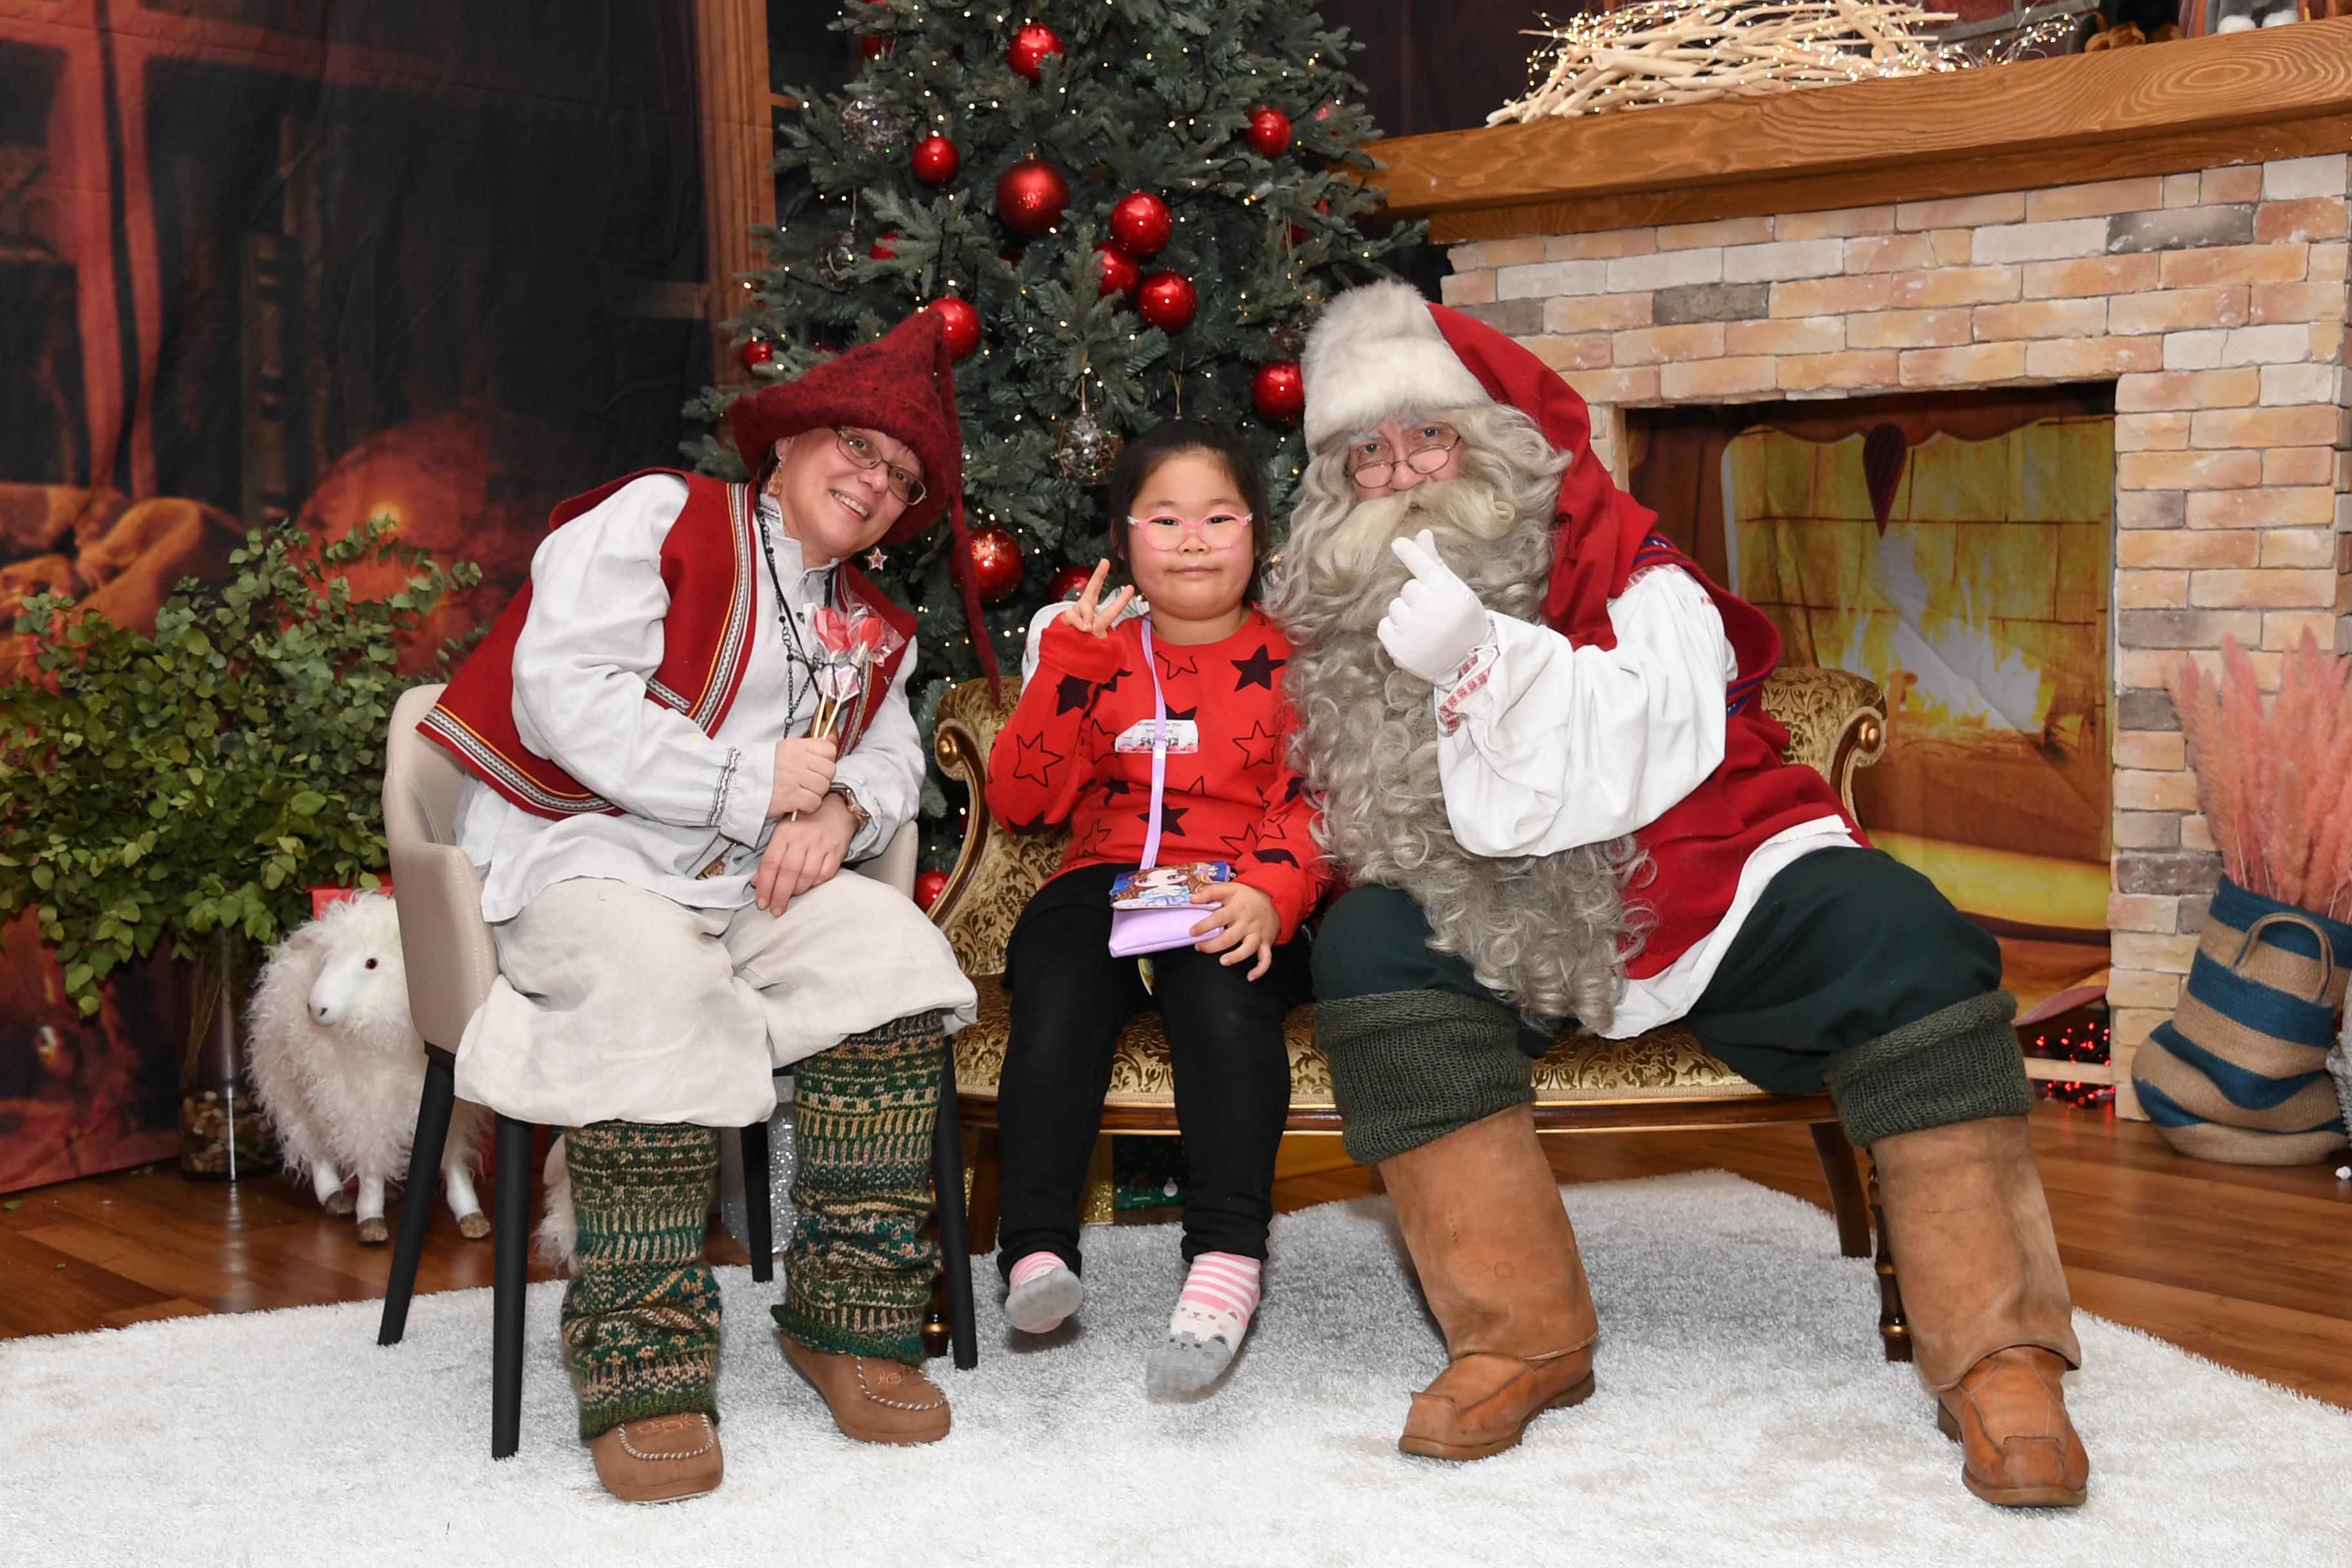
1188, 521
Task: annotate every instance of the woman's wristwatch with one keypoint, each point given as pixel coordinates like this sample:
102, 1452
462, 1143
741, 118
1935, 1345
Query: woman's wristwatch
857, 807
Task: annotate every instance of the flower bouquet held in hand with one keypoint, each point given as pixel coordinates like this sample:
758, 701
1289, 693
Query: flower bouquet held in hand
2242, 1072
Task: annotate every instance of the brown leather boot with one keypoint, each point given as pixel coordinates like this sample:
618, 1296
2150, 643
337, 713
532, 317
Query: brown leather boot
873, 1400
1482, 1219
659, 1459
1992, 1323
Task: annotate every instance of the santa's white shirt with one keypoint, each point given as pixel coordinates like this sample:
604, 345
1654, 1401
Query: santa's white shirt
1545, 746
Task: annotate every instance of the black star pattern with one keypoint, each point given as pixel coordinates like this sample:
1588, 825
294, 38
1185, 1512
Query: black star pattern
1033, 761
1260, 747
1184, 713
1171, 818
1278, 856
1237, 844
1071, 695
1114, 787
1258, 669
1297, 788
1170, 670
1034, 824
1112, 684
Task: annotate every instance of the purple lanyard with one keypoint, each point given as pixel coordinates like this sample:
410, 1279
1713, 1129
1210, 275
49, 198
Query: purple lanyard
1159, 747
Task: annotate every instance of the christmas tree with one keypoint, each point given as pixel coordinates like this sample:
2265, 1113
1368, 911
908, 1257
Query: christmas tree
1129, 211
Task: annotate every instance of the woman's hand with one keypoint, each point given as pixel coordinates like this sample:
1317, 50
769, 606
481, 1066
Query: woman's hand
1086, 616
1250, 925
804, 854
803, 773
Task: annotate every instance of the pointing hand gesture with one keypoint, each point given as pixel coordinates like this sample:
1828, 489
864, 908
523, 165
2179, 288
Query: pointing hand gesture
1435, 622
1086, 616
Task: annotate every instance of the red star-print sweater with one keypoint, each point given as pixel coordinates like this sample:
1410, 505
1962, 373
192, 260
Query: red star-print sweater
1233, 798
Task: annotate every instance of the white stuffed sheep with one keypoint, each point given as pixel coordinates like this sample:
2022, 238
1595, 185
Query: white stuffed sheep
338, 1067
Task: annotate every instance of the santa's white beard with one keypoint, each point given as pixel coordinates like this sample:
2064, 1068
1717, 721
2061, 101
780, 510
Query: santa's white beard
1548, 932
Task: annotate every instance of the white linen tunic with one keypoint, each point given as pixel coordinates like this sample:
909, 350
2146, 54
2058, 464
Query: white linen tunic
612, 1021
1552, 746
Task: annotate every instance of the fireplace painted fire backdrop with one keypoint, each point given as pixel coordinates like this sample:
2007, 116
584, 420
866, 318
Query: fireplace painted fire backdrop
1956, 549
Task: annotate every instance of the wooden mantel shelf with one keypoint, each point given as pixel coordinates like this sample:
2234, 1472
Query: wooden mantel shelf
2279, 92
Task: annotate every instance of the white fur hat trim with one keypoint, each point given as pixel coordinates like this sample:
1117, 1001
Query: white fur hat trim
1374, 352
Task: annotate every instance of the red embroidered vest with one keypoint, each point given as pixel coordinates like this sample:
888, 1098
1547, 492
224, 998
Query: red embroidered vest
710, 562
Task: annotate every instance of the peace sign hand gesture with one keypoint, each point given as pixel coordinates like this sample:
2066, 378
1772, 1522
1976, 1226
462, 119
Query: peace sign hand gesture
1086, 615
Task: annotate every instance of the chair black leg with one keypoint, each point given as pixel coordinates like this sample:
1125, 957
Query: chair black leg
417, 1203
759, 1213
511, 1247
955, 1241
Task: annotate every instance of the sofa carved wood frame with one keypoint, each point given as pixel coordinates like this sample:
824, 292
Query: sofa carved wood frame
1659, 1080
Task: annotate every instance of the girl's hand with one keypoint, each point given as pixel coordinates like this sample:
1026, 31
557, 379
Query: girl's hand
1086, 617
1250, 925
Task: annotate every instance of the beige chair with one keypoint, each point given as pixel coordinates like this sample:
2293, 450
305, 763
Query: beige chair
451, 960
1659, 1080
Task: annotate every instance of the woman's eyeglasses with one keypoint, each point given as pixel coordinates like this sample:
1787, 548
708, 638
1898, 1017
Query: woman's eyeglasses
1166, 531
866, 455
1372, 462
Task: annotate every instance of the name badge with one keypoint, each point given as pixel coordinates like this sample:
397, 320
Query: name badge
1183, 735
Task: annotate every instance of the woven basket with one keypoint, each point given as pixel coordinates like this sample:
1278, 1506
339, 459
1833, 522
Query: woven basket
2240, 1072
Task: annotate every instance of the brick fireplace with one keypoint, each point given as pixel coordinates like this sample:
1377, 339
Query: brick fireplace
2039, 225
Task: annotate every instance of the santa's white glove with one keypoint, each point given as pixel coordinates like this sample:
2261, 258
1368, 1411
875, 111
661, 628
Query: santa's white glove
1435, 622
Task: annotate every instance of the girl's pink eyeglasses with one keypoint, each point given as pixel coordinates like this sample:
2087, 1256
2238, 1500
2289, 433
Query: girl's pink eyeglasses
1218, 530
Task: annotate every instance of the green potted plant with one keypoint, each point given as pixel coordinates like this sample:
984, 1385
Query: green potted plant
194, 782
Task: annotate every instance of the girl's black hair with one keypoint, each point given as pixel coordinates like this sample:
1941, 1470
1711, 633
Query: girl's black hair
1141, 457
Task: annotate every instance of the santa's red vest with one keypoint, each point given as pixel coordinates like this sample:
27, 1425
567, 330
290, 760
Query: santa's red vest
710, 563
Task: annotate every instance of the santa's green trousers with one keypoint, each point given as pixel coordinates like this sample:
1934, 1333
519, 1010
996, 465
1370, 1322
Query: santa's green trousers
1852, 974
640, 1323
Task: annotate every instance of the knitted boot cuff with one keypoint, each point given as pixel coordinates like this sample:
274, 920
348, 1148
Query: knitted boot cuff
1409, 1067
1959, 1064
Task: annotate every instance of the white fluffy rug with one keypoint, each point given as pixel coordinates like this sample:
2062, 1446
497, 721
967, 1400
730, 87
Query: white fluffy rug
1744, 1416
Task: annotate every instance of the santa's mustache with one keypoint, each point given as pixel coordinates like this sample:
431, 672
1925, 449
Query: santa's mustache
1352, 558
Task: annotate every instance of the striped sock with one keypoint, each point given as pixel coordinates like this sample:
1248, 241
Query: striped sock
1220, 1295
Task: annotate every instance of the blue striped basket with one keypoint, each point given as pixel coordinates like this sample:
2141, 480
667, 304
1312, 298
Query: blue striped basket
2240, 1073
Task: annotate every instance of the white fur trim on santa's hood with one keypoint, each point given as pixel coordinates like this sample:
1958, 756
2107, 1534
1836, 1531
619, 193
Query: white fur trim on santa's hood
1376, 351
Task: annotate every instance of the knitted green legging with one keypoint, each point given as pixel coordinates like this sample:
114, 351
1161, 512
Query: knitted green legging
858, 1271
641, 1313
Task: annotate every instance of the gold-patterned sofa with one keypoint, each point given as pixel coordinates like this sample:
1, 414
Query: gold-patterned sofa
1663, 1078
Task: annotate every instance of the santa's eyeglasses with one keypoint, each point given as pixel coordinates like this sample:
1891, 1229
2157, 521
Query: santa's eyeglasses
861, 450
1371, 462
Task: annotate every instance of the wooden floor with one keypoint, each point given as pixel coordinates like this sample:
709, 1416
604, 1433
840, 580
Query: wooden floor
2248, 1267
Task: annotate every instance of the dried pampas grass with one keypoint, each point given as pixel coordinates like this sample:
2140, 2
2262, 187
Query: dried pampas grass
2272, 784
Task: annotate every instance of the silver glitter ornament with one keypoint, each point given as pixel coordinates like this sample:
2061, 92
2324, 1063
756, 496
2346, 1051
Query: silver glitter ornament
1084, 450
871, 123
837, 257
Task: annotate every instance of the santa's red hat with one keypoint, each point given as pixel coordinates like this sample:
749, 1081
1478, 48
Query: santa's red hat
902, 384
1382, 350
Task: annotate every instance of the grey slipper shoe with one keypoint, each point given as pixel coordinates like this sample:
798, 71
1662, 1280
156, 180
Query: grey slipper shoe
1038, 1306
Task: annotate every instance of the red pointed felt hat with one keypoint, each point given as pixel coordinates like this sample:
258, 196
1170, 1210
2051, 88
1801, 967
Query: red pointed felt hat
903, 385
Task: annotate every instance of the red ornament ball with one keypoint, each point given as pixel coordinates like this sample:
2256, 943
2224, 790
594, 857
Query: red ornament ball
757, 353
963, 325
1032, 42
996, 564
1071, 581
1116, 272
1166, 302
874, 45
1279, 391
1269, 132
1031, 197
1140, 223
929, 886
882, 249
935, 160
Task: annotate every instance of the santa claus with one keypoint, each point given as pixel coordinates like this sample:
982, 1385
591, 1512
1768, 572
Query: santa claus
1533, 726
